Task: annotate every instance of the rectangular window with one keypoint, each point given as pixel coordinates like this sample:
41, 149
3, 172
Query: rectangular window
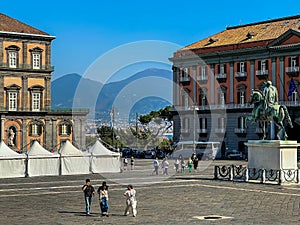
242, 121
242, 97
34, 129
64, 129
242, 67
263, 65
36, 61
294, 96
203, 123
222, 98
203, 72
12, 59
12, 101
293, 61
36, 101
222, 69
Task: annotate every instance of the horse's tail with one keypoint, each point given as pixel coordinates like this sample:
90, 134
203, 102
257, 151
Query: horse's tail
287, 117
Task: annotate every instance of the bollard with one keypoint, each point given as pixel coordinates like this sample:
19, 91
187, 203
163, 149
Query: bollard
280, 177
230, 173
263, 176
246, 175
216, 173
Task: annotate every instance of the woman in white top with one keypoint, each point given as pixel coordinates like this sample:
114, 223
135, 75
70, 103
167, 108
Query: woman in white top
130, 201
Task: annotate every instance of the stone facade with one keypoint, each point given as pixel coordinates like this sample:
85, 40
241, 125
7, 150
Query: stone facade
25, 97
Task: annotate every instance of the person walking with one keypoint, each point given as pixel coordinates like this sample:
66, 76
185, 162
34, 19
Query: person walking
103, 198
132, 162
156, 166
195, 163
182, 165
190, 165
88, 191
176, 164
165, 166
125, 163
131, 201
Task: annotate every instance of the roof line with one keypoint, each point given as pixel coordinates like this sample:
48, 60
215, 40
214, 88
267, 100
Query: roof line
265, 21
27, 34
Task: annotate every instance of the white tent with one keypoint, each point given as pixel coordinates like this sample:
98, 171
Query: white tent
42, 162
73, 161
12, 164
104, 160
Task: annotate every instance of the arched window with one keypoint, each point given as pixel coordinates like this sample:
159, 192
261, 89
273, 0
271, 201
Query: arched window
35, 128
12, 56
203, 97
222, 95
241, 94
65, 128
36, 57
36, 95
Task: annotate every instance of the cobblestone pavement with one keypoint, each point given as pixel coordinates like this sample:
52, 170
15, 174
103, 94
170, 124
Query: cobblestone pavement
184, 198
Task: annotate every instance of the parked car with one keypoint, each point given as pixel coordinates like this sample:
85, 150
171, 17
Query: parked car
126, 152
150, 154
234, 154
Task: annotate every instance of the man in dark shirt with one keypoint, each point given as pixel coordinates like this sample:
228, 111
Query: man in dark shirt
89, 191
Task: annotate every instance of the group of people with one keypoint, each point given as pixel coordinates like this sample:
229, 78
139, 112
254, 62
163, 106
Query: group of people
125, 163
179, 165
102, 191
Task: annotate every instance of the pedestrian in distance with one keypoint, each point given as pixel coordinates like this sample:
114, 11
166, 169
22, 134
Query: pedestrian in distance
165, 166
182, 165
190, 165
103, 198
156, 166
132, 162
88, 191
131, 201
176, 165
195, 163
125, 163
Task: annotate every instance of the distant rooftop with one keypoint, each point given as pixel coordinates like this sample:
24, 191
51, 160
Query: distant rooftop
259, 31
8, 24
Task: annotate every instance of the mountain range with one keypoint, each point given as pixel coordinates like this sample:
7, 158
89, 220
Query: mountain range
141, 90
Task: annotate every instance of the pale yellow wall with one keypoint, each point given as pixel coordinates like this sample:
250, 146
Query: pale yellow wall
9, 43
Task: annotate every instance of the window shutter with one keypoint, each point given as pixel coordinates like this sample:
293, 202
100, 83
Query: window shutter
290, 62
69, 129
60, 129
267, 64
39, 130
259, 65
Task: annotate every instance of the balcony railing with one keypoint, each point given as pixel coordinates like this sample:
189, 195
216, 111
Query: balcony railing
26, 67
293, 69
221, 76
241, 74
240, 130
202, 78
184, 79
220, 130
259, 130
202, 131
184, 131
262, 72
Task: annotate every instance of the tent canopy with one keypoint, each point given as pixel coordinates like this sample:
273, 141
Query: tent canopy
70, 150
37, 150
100, 150
5, 151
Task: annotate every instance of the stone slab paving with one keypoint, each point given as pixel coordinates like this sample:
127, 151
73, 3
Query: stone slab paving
177, 199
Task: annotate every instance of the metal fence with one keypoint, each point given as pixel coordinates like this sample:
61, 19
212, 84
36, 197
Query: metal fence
245, 174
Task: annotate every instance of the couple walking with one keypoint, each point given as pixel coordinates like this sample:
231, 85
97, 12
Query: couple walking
164, 166
89, 192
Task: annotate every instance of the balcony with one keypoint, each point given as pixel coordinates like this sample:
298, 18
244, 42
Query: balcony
220, 130
240, 132
184, 79
262, 74
22, 67
292, 71
202, 79
202, 131
240, 76
221, 77
184, 131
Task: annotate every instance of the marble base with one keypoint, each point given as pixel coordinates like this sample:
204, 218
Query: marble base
272, 154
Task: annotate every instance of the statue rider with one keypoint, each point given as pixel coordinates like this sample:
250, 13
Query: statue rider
271, 98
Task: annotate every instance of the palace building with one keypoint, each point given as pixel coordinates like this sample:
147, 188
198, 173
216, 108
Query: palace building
25, 97
213, 79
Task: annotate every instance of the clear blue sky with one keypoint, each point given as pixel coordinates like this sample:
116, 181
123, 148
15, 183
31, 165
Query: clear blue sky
85, 30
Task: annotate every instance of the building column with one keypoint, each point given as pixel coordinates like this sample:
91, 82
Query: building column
194, 78
2, 92
2, 128
54, 134
48, 55
1, 52
212, 84
24, 134
176, 89
274, 71
48, 134
25, 92
252, 75
231, 85
47, 100
24, 55
281, 77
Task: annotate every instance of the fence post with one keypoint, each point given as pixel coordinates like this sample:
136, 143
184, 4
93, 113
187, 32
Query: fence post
231, 173
246, 175
298, 176
216, 173
280, 177
263, 175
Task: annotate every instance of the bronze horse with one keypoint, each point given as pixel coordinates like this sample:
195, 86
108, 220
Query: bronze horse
278, 114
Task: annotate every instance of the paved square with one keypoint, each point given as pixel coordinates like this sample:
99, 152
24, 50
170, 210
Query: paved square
189, 198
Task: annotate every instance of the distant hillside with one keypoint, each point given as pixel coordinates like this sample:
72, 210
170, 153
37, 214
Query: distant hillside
64, 88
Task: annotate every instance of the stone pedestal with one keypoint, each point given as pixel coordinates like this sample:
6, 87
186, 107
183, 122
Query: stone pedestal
272, 154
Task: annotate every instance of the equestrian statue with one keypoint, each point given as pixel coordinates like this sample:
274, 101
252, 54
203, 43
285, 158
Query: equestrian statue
266, 109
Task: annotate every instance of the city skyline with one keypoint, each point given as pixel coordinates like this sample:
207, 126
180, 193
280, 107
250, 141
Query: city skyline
84, 32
